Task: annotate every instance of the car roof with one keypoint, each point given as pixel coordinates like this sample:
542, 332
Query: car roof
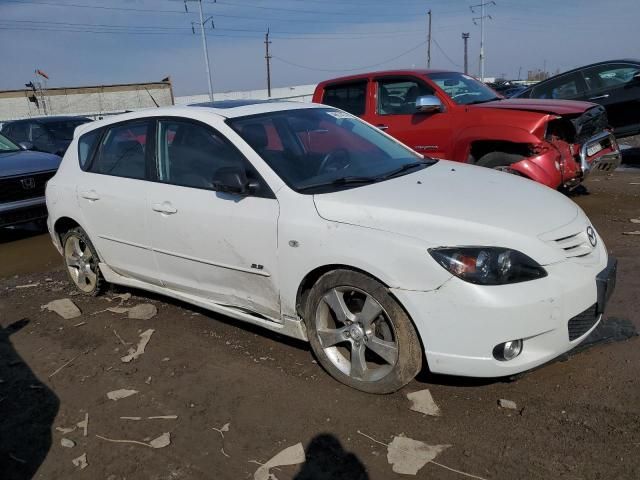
604, 62
224, 109
385, 73
50, 119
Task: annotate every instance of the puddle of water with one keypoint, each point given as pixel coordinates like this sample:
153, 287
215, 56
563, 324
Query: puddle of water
27, 249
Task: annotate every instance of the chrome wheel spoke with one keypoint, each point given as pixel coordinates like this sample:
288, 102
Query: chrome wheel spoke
86, 255
358, 362
75, 243
385, 350
335, 300
330, 337
371, 310
82, 278
73, 261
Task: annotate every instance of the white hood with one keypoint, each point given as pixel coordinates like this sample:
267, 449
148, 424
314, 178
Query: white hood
449, 204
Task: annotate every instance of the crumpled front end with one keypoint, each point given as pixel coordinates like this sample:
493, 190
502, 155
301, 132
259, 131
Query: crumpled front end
572, 148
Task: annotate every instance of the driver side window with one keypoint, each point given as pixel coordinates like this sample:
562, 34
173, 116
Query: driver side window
398, 97
190, 154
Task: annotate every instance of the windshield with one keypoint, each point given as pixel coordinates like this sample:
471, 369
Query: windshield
63, 130
463, 89
7, 145
321, 150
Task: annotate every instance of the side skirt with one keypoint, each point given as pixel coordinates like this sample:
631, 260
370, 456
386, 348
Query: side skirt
291, 327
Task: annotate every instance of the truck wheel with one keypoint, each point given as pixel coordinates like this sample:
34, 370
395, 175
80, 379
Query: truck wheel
81, 260
360, 334
500, 161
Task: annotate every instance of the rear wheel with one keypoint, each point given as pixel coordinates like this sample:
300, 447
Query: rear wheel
81, 260
501, 161
360, 334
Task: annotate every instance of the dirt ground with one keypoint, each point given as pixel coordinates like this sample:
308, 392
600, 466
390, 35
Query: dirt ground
576, 418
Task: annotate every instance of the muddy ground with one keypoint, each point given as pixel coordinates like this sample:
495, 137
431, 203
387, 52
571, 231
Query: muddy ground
577, 418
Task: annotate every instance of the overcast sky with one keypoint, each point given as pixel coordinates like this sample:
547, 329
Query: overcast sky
87, 42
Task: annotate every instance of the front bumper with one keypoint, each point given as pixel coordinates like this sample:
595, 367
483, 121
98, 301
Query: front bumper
605, 160
22, 211
460, 323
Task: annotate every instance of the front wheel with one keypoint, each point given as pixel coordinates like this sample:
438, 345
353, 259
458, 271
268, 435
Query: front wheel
360, 334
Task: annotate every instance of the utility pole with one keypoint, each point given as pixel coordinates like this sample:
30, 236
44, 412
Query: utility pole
202, 22
429, 42
465, 37
267, 42
481, 18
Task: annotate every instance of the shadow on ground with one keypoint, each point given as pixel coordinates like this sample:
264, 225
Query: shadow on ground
326, 459
19, 232
27, 411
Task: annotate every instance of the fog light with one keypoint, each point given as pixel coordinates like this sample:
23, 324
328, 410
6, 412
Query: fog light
508, 350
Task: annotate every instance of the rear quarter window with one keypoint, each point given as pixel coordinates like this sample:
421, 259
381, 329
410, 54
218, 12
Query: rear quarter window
87, 147
351, 97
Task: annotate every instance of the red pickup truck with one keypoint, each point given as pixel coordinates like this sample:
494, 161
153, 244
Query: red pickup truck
453, 116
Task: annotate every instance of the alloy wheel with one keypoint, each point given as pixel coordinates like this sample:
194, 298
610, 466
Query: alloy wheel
356, 334
82, 265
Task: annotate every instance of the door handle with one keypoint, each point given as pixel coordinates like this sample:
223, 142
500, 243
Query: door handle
90, 195
382, 127
164, 207
599, 97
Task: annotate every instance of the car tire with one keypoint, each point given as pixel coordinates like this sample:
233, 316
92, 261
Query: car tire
360, 334
500, 161
81, 261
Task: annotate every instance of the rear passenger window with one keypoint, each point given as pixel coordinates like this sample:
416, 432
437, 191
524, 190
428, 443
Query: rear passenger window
564, 87
351, 97
122, 151
86, 146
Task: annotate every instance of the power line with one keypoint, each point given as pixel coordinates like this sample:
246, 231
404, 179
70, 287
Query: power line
363, 67
79, 28
445, 53
168, 29
180, 12
315, 12
99, 7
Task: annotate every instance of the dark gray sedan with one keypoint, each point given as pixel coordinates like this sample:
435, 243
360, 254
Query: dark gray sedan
23, 177
45, 134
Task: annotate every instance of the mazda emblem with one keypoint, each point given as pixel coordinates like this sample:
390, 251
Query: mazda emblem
591, 233
28, 183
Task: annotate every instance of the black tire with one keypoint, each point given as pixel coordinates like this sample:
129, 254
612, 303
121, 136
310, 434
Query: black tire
88, 288
391, 326
500, 161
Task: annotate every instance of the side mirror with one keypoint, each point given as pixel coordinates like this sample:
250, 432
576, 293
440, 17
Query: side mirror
428, 104
232, 180
26, 145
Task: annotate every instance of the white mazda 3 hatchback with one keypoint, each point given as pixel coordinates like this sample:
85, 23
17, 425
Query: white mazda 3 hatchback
312, 223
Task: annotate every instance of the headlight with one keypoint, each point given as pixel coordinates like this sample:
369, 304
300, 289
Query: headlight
488, 265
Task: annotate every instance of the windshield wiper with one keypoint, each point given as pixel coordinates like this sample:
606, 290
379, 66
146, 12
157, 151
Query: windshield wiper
404, 168
339, 182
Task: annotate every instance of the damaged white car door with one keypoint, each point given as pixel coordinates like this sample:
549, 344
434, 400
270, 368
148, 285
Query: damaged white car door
209, 243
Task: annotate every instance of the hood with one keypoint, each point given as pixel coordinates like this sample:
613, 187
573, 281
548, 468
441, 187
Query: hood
27, 162
451, 204
559, 107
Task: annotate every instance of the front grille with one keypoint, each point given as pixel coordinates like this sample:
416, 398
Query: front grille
582, 323
22, 187
576, 245
590, 123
